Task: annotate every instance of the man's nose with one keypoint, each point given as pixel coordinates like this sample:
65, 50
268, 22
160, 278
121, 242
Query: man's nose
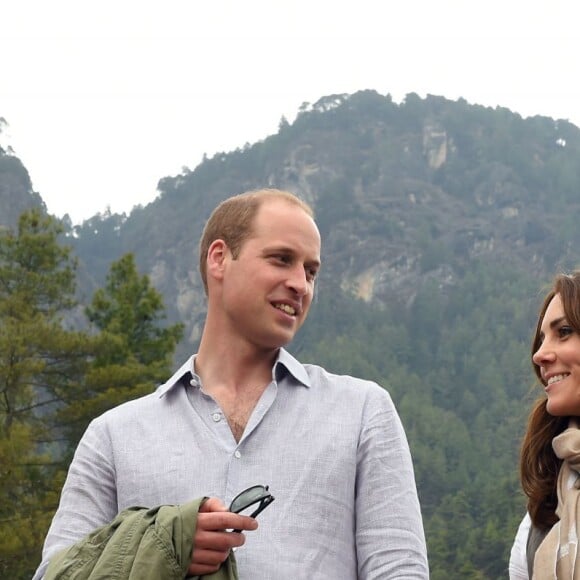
297, 281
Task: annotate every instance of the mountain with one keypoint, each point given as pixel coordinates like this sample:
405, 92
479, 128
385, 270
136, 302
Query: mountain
16, 193
436, 182
402, 193
441, 221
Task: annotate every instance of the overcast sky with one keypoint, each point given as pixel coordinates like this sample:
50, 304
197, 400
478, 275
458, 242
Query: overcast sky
105, 98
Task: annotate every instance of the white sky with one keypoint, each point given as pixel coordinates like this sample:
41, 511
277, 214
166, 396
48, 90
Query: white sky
103, 98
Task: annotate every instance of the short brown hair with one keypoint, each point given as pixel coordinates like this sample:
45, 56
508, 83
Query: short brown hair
232, 221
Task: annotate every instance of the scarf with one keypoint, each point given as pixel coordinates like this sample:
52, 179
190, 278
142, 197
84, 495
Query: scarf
558, 558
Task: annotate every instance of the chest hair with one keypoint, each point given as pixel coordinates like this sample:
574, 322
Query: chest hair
238, 409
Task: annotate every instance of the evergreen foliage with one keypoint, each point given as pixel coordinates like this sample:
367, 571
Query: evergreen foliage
457, 366
54, 380
39, 360
133, 353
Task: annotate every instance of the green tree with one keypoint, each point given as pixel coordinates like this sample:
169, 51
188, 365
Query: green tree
134, 351
40, 359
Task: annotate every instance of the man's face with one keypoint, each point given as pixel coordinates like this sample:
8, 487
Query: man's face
268, 289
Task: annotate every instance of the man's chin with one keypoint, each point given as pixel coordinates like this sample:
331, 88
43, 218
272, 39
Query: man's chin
279, 341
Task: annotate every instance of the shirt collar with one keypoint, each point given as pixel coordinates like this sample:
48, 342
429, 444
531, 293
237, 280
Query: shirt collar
285, 362
185, 370
293, 366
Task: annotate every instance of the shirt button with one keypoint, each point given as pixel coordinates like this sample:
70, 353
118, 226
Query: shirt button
193, 383
237, 454
216, 417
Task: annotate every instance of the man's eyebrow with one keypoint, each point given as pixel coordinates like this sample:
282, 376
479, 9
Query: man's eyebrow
291, 252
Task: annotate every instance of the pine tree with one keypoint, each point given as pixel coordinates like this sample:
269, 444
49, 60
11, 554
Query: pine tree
39, 360
134, 351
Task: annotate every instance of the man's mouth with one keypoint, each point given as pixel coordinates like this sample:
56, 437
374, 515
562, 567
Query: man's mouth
285, 308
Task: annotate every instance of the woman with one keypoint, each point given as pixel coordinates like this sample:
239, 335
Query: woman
546, 544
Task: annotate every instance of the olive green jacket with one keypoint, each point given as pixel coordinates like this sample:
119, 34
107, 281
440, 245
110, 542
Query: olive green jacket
139, 544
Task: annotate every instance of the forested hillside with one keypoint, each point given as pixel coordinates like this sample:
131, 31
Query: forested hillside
16, 194
442, 222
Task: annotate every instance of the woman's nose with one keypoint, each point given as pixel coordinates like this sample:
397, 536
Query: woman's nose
544, 354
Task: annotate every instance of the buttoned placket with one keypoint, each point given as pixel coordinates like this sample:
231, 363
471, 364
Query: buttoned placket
238, 466
209, 411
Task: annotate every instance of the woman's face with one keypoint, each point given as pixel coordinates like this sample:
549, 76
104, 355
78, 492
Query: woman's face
558, 359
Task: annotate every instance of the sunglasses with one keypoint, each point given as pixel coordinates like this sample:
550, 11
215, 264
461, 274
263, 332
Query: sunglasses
257, 494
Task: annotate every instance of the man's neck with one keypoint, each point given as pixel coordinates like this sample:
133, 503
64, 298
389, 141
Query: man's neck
235, 379
234, 368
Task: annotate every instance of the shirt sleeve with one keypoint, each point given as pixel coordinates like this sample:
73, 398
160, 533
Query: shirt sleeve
390, 539
88, 499
518, 565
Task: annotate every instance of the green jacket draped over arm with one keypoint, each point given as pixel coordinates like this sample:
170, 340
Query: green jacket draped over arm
139, 544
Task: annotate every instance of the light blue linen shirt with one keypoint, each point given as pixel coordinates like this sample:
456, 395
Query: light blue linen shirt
331, 448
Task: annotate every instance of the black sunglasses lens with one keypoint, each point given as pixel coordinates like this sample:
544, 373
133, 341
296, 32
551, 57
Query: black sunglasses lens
264, 503
248, 497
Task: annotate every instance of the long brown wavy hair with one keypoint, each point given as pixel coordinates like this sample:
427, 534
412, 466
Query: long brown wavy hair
539, 465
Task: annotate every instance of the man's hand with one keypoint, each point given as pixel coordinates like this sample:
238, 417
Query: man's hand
211, 543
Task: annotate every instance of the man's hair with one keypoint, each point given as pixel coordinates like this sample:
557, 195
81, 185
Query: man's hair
233, 219
539, 465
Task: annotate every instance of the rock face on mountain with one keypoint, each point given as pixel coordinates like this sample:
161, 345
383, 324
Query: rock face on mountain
403, 193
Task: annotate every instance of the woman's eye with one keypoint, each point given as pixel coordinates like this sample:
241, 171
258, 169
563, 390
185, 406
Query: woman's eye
565, 331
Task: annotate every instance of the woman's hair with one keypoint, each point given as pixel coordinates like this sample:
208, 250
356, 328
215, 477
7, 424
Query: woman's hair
233, 219
539, 465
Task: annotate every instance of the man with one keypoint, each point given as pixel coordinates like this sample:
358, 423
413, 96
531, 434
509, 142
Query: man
243, 411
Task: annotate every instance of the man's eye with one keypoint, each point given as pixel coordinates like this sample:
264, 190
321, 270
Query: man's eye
282, 258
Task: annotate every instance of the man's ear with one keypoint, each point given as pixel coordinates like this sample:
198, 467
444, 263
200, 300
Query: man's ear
216, 258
